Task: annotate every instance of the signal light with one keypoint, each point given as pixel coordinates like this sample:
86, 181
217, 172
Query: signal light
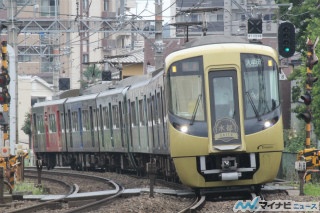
286, 39
310, 79
3, 118
5, 97
306, 98
4, 80
306, 116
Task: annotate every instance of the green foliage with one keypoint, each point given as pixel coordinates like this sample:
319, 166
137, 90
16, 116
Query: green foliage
296, 93
306, 18
28, 187
293, 142
312, 189
26, 128
90, 75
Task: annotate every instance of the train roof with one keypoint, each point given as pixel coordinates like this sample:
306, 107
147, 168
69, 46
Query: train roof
82, 98
213, 39
117, 90
51, 102
109, 86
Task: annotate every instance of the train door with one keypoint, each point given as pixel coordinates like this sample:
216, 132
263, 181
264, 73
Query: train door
225, 116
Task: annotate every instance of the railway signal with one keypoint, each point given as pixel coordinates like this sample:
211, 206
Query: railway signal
309, 158
286, 39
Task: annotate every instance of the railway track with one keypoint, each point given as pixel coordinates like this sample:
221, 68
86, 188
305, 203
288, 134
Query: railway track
89, 199
163, 201
51, 203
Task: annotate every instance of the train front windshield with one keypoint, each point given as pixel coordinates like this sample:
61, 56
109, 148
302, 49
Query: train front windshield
186, 86
261, 89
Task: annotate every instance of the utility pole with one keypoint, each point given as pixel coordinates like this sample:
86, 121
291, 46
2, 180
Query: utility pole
158, 56
56, 55
12, 41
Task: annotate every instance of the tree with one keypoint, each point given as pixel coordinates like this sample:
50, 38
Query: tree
306, 18
90, 75
26, 128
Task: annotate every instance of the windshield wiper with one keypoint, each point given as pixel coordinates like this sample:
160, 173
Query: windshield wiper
253, 106
193, 117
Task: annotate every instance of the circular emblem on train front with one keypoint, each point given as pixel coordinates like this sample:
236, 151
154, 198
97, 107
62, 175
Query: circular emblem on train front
225, 129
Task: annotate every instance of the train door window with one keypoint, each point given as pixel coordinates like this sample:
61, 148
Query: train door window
133, 114
111, 121
34, 123
75, 123
58, 122
96, 119
223, 97
67, 117
150, 118
85, 120
142, 121
132, 117
115, 116
69, 123
40, 124
91, 124
155, 110
100, 113
52, 123
62, 123
106, 121
121, 124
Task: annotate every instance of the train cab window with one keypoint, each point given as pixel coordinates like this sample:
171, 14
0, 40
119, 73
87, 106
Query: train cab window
261, 89
185, 82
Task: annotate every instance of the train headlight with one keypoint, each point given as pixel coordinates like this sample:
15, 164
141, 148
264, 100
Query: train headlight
267, 124
184, 128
